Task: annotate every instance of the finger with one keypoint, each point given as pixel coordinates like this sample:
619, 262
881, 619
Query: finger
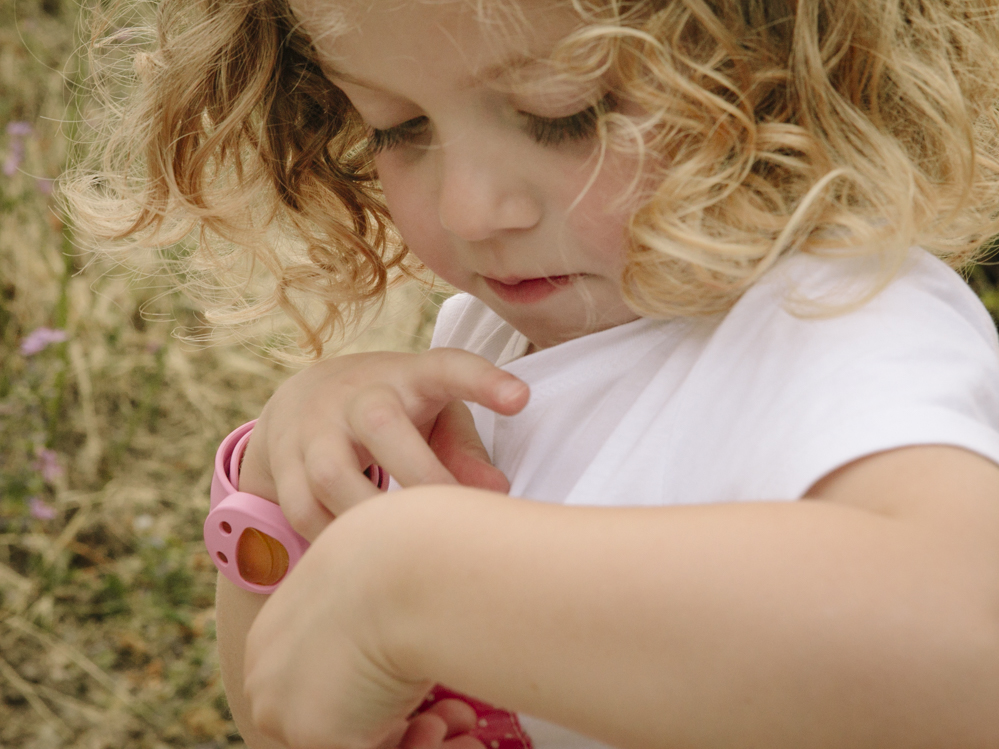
445, 374
315, 487
335, 475
304, 513
395, 737
463, 741
457, 445
459, 716
379, 421
426, 731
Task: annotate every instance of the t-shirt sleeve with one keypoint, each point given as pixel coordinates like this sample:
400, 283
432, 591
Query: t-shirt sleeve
467, 323
796, 397
449, 320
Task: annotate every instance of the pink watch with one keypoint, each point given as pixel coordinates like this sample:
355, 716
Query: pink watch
247, 536
253, 545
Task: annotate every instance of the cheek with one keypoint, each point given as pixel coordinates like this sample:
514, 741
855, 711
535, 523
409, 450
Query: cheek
601, 216
414, 213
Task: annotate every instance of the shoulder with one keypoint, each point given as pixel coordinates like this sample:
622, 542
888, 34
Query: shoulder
787, 374
826, 307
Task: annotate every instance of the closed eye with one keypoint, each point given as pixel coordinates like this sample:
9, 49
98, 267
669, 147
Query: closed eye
403, 134
548, 131
553, 131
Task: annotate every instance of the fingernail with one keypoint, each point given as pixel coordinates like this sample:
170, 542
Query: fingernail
510, 390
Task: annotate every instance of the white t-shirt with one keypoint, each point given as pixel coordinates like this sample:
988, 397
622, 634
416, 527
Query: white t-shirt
758, 404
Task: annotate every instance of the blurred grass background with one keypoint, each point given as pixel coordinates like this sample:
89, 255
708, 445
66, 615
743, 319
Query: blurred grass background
108, 426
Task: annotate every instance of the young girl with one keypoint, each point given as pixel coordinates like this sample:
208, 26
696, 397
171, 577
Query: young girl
704, 247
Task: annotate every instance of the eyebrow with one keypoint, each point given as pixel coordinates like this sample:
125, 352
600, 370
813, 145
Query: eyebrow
490, 73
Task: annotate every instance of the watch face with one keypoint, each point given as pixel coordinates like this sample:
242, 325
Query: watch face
260, 559
251, 542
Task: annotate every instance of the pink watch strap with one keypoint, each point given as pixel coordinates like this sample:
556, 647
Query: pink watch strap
247, 535
227, 461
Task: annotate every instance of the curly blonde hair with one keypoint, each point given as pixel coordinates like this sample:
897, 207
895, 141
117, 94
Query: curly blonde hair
768, 126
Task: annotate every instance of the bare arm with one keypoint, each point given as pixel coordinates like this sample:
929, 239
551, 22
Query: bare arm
322, 428
868, 617
236, 609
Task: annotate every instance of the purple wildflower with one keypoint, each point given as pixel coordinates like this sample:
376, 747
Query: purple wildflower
19, 129
41, 509
39, 339
14, 157
47, 464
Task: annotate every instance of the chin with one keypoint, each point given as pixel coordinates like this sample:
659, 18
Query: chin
548, 336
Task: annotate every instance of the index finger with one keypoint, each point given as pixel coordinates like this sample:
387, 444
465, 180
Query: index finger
447, 374
379, 421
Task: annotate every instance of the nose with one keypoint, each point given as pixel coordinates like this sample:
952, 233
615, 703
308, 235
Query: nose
484, 191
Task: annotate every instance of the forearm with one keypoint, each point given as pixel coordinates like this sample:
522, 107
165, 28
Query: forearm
804, 624
236, 610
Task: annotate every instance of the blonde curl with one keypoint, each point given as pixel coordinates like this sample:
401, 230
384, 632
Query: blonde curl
764, 127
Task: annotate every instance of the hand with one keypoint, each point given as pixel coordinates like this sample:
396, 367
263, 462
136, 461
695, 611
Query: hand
317, 672
325, 425
446, 725
336, 657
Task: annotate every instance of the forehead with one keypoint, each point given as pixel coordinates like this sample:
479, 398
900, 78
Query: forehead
491, 39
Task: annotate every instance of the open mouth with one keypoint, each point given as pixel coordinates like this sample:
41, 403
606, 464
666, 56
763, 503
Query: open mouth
529, 290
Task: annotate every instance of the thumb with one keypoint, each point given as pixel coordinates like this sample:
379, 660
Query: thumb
457, 445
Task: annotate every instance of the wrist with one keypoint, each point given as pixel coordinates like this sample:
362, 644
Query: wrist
419, 561
384, 558
409, 592
253, 472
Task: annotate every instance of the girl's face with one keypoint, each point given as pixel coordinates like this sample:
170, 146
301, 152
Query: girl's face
495, 187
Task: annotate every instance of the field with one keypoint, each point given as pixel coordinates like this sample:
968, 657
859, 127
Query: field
108, 426
108, 423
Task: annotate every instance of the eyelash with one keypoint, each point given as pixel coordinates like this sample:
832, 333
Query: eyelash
546, 131
392, 137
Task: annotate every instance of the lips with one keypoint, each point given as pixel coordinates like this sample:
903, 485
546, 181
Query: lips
529, 290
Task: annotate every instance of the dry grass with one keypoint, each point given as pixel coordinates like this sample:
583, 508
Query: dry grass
106, 442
